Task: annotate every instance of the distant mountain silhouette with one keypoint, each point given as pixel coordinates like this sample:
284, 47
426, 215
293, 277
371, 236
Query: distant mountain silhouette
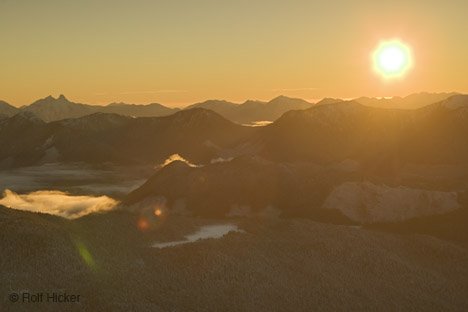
413, 101
326, 101
138, 110
220, 106
53, 109
380, 139
7, 109
251, 111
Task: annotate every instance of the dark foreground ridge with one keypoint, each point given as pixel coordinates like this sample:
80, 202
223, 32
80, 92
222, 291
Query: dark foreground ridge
112, 266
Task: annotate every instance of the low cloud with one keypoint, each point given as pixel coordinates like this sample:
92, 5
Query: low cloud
57, 203
259, 123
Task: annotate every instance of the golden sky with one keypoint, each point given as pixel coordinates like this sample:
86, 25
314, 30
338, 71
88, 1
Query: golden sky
179, 52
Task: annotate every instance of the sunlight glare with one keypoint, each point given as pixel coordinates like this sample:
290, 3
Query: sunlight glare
392, 59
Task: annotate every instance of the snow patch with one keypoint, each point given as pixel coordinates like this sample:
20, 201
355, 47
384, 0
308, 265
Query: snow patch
366, 202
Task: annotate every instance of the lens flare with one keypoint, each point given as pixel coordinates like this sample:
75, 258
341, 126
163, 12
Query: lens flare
85, 255
143, 224
392, 59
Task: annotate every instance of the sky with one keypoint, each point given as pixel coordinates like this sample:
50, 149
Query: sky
180, 52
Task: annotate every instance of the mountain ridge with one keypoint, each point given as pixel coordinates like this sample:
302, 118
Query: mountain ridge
197, 133
7, 109
249, 112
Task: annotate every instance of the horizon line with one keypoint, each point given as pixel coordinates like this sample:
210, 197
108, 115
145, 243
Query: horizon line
237, 102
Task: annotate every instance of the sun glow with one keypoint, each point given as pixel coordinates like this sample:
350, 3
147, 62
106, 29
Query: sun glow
392, 59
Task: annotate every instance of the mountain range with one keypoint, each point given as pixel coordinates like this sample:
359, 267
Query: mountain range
412, 101
340, 162
7, 110
53, 109
197, 133
296, 165
352, 197
380, 139
252, 111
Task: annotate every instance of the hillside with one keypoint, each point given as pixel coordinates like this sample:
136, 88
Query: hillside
380, 139
22, 138
7, 109
244, 186
198, 134
138, 110
106, 260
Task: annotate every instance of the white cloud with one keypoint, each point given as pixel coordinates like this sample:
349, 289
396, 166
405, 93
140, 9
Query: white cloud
57, 203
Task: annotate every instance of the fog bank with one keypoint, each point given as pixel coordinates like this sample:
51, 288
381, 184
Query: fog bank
57, 203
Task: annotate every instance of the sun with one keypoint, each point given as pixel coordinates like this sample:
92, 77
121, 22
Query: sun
392, 59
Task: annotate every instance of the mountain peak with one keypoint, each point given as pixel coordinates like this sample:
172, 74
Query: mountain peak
280, 98
326, 101
213, 105
50, 98
253, 102
284, 100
